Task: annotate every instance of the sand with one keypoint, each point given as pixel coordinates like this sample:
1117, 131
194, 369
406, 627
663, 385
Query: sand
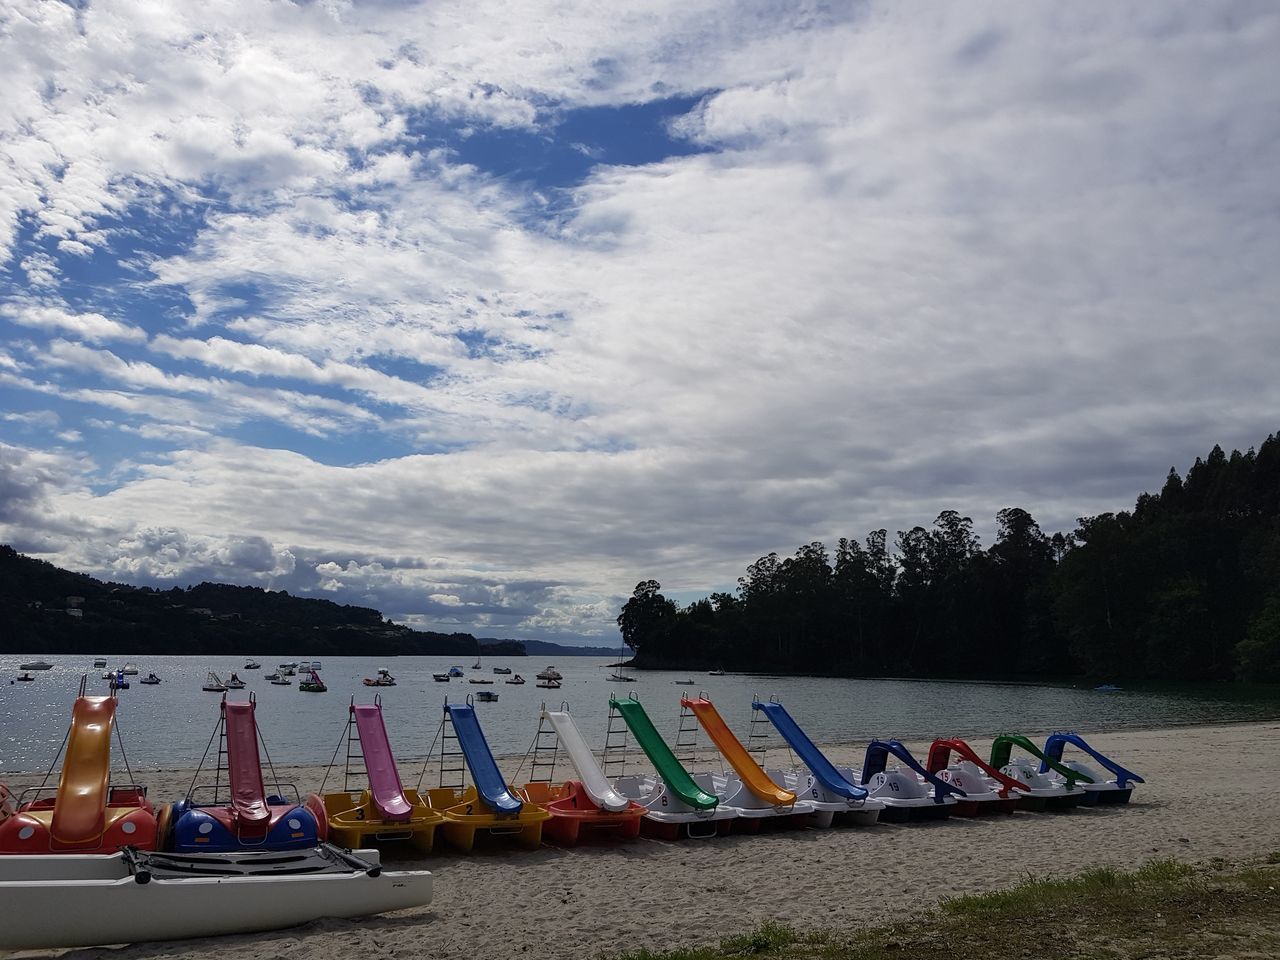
1210, 793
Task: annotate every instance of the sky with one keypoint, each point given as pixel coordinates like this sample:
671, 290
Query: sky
481, 312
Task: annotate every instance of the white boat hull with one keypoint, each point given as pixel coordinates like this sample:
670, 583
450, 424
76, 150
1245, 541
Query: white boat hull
82, 901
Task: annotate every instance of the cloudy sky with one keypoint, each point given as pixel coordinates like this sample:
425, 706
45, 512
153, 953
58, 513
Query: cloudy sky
480, 312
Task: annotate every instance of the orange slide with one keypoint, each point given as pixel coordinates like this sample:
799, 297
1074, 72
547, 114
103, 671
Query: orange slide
88, 814
80, 812
755, 779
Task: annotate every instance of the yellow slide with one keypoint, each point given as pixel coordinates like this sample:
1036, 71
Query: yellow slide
756, 780
79, 814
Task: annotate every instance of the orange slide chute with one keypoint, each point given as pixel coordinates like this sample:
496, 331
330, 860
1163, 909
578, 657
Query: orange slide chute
79, 813
756, 780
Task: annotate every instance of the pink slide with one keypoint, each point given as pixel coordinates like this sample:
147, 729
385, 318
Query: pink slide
384, 779
244, 768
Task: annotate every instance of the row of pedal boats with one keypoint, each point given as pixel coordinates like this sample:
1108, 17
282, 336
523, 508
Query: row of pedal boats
104, 845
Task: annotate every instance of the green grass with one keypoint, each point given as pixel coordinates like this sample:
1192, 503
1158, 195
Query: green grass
1162, 909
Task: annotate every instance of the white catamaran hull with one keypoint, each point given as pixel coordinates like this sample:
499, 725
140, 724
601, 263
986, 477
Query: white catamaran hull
81, 901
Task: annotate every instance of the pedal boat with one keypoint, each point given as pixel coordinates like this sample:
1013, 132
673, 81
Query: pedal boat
1042, 792
667, 816
911, 794
987, 790
830, 809
1117, 789
752, 811
355, 820
465, 814
575, 816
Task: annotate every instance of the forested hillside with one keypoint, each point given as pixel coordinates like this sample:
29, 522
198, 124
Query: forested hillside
45, 609
1186, 586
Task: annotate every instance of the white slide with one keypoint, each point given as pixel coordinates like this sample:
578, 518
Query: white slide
598, 788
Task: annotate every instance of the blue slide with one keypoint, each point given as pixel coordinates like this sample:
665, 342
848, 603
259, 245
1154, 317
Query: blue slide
1053, 750
810, 755
878, 752
490, 783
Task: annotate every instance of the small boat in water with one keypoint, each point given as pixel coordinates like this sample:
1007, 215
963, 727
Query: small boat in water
502, 670
440, 677
715, 673
485, 696
618, 677
24, 678
100, 661
150, 680
479, 680
550, 673
312, 683
38, 665
235, 683
548, 684
385, 679
516, 680
131, 669
253, 665
280, 681
684, 683
134, 896
455, 672
213, 684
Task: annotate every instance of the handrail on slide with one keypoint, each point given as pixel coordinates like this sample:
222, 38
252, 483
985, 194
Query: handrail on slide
664, 761
380, 764
878, 752
940, 755
490, 783
244, 765
79, 809
1057, 741
594, 781
757, 781
1002, 748
813, 758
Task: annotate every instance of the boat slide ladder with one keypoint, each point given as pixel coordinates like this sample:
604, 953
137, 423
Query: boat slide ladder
760, 735
613, 759
453, 762
544, 750
355, 751
686, 749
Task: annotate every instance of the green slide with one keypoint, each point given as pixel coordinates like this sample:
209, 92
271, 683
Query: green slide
664, 761
1002, 749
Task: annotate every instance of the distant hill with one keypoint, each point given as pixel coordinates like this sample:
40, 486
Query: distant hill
45, 609
541, 648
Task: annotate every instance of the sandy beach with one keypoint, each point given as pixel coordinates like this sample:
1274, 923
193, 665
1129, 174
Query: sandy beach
1209, 793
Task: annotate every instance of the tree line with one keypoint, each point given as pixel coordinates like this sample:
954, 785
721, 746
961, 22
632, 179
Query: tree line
1186, 586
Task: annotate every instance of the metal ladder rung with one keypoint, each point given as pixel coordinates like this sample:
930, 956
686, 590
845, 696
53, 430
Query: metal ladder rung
687, 739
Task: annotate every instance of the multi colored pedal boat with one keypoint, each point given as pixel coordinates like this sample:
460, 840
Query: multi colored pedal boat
87, 812
489, 806
581, 807
1118, 789
1042, 791
383, 812
241, 814
833, 795
749, 789
908, 794
986, 789
676, 802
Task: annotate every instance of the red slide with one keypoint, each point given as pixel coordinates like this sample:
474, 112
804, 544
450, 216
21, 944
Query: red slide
244, 767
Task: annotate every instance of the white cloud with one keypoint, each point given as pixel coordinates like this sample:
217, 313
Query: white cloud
963, 256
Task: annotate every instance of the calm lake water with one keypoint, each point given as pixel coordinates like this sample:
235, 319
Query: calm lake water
169, 725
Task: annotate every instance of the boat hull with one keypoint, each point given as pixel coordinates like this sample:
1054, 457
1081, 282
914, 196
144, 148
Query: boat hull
98, 902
